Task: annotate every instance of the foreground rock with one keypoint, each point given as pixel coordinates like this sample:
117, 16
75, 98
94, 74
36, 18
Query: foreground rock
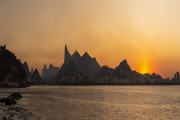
11, 100
16, 113
11, 110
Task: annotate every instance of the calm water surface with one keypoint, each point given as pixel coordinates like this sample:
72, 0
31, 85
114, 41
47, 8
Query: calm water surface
100, 102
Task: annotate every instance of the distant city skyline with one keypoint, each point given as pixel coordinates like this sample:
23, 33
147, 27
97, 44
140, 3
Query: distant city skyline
146, 33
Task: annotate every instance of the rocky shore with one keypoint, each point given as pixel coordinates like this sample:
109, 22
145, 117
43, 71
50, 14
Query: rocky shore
11, 110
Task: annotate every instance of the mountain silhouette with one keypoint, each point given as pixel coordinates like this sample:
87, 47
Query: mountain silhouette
76, 69
28, 73
49, 73
67, 55
77, 64
36, 78
123, 66
12, 73
84, 69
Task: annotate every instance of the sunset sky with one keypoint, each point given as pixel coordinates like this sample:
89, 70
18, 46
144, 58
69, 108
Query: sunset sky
145, 32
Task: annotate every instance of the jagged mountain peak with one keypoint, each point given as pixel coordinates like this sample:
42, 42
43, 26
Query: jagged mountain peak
12, 73
45, 67
50, 65
67, 55
124, 66
25, 65
35, 72
76, 53
124, 61
36, 75
86, 55
76, 56
49, 72
80, 64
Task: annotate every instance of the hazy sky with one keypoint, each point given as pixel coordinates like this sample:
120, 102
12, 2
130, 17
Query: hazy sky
145, 32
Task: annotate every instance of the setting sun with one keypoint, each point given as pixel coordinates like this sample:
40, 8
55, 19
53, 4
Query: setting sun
145, 68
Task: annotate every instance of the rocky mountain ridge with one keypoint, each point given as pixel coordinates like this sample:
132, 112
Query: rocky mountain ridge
12, 73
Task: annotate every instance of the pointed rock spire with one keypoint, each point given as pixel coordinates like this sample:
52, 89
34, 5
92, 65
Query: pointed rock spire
67, 55
86, 55
25, 65
36, 75
76, 54
124, 66
26, 68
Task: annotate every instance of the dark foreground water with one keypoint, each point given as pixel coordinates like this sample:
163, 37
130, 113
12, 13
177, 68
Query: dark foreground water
96, 102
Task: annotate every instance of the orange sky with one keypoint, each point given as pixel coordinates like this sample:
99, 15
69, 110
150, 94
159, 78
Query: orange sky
145, 32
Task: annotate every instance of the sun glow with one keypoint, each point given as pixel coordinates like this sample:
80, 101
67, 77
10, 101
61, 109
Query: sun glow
145, 68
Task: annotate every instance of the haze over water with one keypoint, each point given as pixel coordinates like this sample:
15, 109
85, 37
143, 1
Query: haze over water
99, 102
